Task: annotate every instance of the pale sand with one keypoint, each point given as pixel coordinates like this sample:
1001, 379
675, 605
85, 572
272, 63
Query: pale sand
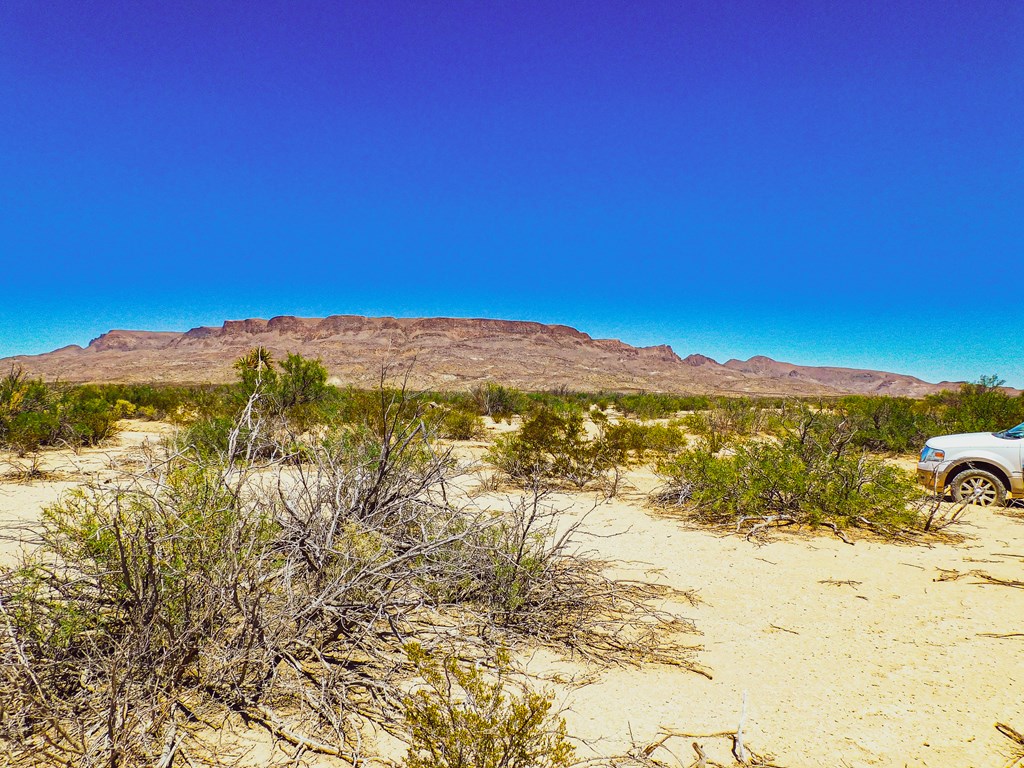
893, 671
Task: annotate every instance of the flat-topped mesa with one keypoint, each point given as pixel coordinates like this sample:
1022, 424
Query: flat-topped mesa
239, 327
317, 328
484, 326
129, 341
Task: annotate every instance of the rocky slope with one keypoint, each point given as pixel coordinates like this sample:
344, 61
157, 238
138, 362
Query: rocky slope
445, 353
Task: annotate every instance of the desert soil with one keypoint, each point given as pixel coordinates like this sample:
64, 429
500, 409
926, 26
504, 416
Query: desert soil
874, 654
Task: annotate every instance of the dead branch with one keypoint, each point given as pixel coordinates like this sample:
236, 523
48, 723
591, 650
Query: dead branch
835, 529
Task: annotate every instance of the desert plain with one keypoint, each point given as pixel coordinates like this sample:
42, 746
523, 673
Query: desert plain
876, 653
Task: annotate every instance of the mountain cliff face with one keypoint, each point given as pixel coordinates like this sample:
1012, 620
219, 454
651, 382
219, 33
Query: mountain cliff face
445, 353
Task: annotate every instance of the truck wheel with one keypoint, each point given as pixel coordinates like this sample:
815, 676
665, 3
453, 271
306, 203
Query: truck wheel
979, 487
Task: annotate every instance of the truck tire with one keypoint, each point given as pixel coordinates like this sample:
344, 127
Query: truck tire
979, 487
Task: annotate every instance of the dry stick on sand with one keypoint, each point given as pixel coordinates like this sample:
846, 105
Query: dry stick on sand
835, 529
1017, 758
986, 578
739, 750
841, 582
989, 579
742, 754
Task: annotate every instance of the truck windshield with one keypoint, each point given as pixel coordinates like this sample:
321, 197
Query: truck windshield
1016, 433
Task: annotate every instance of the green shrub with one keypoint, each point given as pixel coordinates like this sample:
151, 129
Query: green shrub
208, 437
728, 420
497, 401
86, 420
30, 430
902, 425
34, 414
146, 413
551, 446
555, 446
979, 407
263, 414
812, 475
658, 406
897, 424
458, 424
461, 719
636, 441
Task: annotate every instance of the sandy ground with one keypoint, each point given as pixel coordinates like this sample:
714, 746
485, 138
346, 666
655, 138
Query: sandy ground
22, 500
847, 656
891, 668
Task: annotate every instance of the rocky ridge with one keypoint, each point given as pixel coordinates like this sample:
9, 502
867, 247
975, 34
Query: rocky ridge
446, 353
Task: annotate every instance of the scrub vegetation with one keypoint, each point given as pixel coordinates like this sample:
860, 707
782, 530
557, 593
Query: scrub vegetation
295, 574
552, 447
809, 471
460, 719
303, 559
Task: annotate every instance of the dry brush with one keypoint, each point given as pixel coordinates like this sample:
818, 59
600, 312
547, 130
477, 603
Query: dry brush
277, 585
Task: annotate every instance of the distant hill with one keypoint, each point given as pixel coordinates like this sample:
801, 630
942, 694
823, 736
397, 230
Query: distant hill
447, 353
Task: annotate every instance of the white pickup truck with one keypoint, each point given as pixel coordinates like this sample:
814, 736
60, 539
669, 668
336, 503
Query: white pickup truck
980, 467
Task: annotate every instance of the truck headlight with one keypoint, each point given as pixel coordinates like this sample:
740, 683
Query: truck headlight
932, 454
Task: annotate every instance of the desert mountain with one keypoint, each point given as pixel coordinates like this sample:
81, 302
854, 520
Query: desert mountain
445, 353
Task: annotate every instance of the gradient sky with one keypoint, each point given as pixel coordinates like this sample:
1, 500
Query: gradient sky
832, 183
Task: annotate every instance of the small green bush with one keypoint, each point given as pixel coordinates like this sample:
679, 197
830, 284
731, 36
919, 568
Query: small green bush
902, 425
551, 446
729, 419
461, 719
458, 424
636, 441
497, 401
897, 424
208, 437
979, 407
658, 406
34, 414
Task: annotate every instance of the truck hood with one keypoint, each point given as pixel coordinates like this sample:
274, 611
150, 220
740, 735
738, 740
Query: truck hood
969, 440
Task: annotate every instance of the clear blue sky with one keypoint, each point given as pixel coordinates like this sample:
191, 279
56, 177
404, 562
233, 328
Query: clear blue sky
825, 183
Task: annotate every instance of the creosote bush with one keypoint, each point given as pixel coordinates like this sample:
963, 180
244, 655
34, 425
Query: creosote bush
552, 447
269, 407
34, 414
731, 418
459, 424
497, 401
902, 424
462, 718
812, 474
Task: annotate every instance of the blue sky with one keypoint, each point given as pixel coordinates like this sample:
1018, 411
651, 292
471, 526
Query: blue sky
836, 183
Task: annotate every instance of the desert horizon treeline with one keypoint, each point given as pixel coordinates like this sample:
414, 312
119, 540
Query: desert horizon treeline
35, 414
